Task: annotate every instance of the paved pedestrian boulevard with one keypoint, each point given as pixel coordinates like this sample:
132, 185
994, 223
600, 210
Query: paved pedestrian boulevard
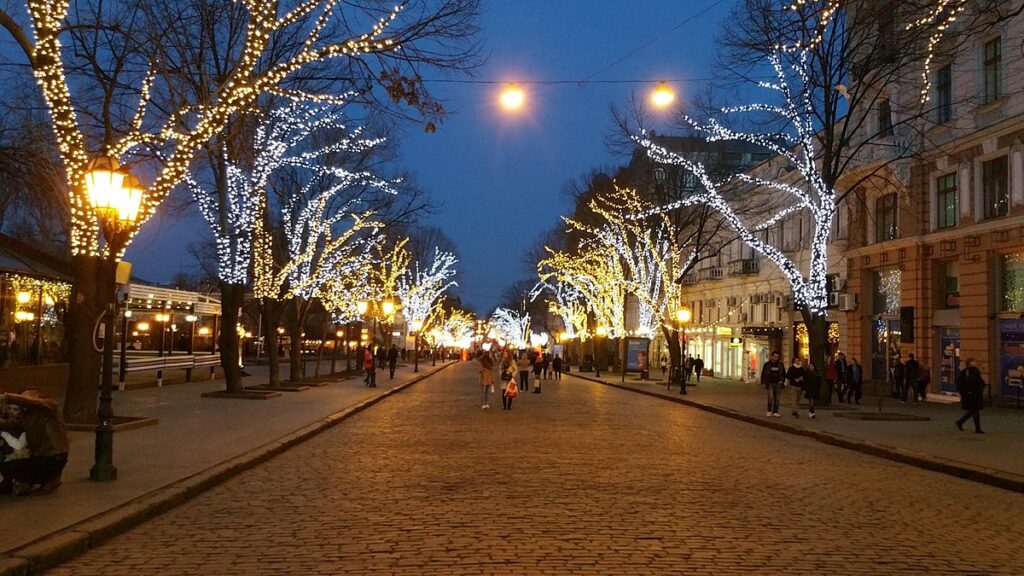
582, 479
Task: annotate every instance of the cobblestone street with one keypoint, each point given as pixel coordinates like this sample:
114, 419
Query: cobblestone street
582, 479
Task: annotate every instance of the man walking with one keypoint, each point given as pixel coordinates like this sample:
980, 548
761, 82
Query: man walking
842, 379
911, 371
898, 381
972, 395
698, 367
392, 361
772, 375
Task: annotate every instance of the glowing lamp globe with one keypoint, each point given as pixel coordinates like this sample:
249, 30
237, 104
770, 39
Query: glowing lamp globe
602, 331
663, 95
362, 306
104, 184
683, 315
513, 97
388, 307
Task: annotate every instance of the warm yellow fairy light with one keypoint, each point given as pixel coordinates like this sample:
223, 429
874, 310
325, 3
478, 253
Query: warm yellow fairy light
24, 297
513, 97
663, 95
683, 315
142, 326
204, 331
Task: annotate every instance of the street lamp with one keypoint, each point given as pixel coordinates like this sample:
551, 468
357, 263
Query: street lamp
662, 95
683, 317
116, 197
416, 326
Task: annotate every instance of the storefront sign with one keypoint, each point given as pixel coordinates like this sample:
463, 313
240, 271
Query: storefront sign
736, 342
767, 331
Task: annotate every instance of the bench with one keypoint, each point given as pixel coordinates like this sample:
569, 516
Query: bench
161, 363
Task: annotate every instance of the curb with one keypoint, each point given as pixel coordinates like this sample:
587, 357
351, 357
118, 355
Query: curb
1006, 482
63, 545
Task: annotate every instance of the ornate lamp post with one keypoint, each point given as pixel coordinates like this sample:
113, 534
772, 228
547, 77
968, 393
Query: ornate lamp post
416, 326
116, 196
683, 317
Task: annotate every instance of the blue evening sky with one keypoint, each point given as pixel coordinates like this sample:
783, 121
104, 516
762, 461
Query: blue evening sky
497, 177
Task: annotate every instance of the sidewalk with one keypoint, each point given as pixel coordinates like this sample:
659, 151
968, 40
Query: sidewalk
193, 435
995, 457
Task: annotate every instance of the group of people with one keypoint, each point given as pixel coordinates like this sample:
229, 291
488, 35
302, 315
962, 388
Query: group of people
691, 366
842, 377
543, 366
33, 444
373, 362
909, 376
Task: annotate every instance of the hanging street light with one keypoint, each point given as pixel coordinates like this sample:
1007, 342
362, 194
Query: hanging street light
513, 97
662, 95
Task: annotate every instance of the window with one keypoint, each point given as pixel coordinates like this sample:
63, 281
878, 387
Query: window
885, 218
1011, 283
995, 193
688, 181
946, 200
944, 94
886, 36
992, 64
884, 118
950, 285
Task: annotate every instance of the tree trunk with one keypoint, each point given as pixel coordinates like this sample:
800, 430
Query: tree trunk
674, 353
817, 336
232, 298
272, 319
320, 351
91, 290
298, 315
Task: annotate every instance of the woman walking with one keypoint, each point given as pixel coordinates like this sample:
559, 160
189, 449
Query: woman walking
524, 371
486, 377
972, 395
812, 387
538, 373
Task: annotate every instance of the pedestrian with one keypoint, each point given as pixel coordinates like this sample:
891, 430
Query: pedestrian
47, 442
510, 392
371, 368
842, 382
698, 367
538, 372
687, 369
547, 366
556, 365
812, 388
382, 357
911, 372
486, 377
924, 378
524, 371
831, 375
898, 381
664, 365
797, 378
856, 381
13, 441
972, 395
392, 361
773, 376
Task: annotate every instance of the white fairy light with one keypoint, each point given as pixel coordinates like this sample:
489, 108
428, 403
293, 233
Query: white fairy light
511, 326
421, 288
818, 199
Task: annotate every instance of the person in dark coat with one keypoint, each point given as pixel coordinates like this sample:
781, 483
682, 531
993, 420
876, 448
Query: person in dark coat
773, 380
855, 381
897, 381
556, 365
698, 367
797, 377
911, 372
972, 395
812, 387
842, 380
47, 436
392, 361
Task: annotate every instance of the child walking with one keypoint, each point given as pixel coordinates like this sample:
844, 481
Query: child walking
511, 391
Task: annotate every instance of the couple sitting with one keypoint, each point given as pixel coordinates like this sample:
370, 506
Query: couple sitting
33, 443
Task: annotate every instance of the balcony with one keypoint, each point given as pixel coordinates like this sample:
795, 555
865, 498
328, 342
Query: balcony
689, 279
713, 273
744, 267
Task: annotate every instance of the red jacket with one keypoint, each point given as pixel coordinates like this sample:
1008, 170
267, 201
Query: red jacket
367, 359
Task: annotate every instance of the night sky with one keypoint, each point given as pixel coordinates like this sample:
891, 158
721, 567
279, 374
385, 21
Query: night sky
497, 176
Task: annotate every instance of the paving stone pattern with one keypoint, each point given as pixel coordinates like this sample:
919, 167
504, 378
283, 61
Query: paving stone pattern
582, 479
